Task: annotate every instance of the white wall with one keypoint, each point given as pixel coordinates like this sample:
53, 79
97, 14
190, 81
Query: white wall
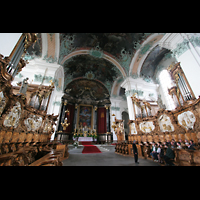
189, 60
191, 70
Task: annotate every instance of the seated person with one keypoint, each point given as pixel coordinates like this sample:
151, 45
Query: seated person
179, 145
173, 144
191, 145
154, 152
168, 156
168, 142
182, 143
186, 144
160, 152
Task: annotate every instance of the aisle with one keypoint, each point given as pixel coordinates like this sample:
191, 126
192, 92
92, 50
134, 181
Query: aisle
106, 158
89, 148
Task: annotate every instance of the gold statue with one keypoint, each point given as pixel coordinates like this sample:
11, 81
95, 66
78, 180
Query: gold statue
65, 124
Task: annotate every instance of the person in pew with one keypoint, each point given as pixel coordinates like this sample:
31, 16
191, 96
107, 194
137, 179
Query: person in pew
173, 143
191, 145
135, 152
169, 156
154, 152
185, 146
173, 146
160, 153
168, 142
179, 145
186, 142
182, 143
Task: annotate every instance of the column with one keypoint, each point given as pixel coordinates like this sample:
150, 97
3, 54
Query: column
130, 87
62, 117
107, 117
130, 106
75, 118
95, 117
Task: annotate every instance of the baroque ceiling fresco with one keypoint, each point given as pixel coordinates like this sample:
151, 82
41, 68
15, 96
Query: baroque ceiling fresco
87, 91
93, 65
87, 66
120, 46
113, 43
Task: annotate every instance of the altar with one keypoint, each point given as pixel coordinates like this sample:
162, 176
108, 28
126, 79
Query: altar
80, 139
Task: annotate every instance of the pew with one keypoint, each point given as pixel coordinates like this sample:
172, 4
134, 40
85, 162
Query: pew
27, 153
183, 157
53, 158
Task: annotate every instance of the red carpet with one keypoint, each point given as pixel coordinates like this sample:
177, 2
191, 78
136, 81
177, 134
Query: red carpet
89, 148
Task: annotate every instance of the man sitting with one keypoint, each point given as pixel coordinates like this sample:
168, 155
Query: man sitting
154, 152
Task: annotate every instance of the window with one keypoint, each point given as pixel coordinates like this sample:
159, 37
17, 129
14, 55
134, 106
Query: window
166, 83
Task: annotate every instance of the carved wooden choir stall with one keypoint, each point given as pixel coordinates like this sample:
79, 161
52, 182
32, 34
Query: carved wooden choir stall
181, 123
25, 127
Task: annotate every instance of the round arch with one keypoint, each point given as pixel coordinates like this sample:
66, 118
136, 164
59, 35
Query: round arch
78, 79
138, 59
105, 56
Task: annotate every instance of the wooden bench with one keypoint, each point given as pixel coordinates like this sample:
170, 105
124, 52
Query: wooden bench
53, 158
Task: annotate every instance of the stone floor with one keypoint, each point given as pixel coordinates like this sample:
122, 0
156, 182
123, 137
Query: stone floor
108, 157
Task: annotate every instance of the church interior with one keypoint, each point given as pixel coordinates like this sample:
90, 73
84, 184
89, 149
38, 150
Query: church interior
63, 94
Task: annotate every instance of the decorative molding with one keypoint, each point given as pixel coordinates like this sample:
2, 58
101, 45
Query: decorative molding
125, 60
57, 103
90, 75
66, 47
96, 52
195, 41
145, 49
47, 79
181, 48
50, 59
29, 57
108, 86
134, 76
133, 91
115, 108
51, 35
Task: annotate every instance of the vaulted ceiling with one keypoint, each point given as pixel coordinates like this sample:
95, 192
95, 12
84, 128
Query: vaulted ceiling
112, 43
105, 57
152, 61
118, 46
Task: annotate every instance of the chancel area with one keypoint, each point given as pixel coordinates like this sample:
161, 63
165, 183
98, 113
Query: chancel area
87, 92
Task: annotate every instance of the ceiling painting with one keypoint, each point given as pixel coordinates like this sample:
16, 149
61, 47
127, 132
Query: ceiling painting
120, 46
87, 91
113, 43
90, 67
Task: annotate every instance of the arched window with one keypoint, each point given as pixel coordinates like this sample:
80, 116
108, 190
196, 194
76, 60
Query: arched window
166, 83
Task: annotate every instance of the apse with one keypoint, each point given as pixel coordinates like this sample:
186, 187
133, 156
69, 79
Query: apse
86, 106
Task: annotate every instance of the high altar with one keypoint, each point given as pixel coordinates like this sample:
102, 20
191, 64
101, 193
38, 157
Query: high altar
89, 110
